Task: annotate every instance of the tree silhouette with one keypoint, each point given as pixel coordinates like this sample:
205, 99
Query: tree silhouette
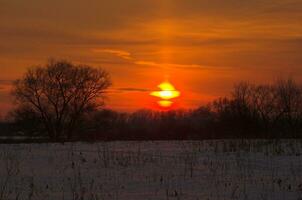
60, 93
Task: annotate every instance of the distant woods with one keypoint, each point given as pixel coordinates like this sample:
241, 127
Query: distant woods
63, 101
269, 111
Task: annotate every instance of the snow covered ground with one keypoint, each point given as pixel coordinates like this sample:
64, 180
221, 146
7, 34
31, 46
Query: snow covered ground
215, 169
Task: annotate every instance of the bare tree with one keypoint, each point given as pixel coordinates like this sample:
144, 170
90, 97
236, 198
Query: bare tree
289, 98
61, 93
263, 103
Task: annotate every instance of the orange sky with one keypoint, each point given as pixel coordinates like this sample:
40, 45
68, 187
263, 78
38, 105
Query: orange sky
203, 47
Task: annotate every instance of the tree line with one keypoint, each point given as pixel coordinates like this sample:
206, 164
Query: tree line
251, 111
63, 101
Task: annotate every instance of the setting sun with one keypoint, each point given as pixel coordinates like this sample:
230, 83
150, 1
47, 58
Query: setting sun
167, 93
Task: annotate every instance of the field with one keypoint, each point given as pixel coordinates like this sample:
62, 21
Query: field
214, 169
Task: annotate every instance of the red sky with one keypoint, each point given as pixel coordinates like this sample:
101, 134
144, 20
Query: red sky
203, 46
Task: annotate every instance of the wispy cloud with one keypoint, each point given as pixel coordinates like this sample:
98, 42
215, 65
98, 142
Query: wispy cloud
6, 82
5, 85
120, 53
128, 89
174, 65
127, 56
134, 89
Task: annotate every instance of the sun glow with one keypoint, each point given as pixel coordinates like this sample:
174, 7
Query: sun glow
167, 93
165, 103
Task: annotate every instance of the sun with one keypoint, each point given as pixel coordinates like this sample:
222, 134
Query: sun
167, 93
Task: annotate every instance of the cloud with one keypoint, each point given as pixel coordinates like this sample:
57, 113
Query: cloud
32, 28
5, 85
134, 89
123, 54
116, 14
174, 65
150, 63
127, 56
128, 89
6, 82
